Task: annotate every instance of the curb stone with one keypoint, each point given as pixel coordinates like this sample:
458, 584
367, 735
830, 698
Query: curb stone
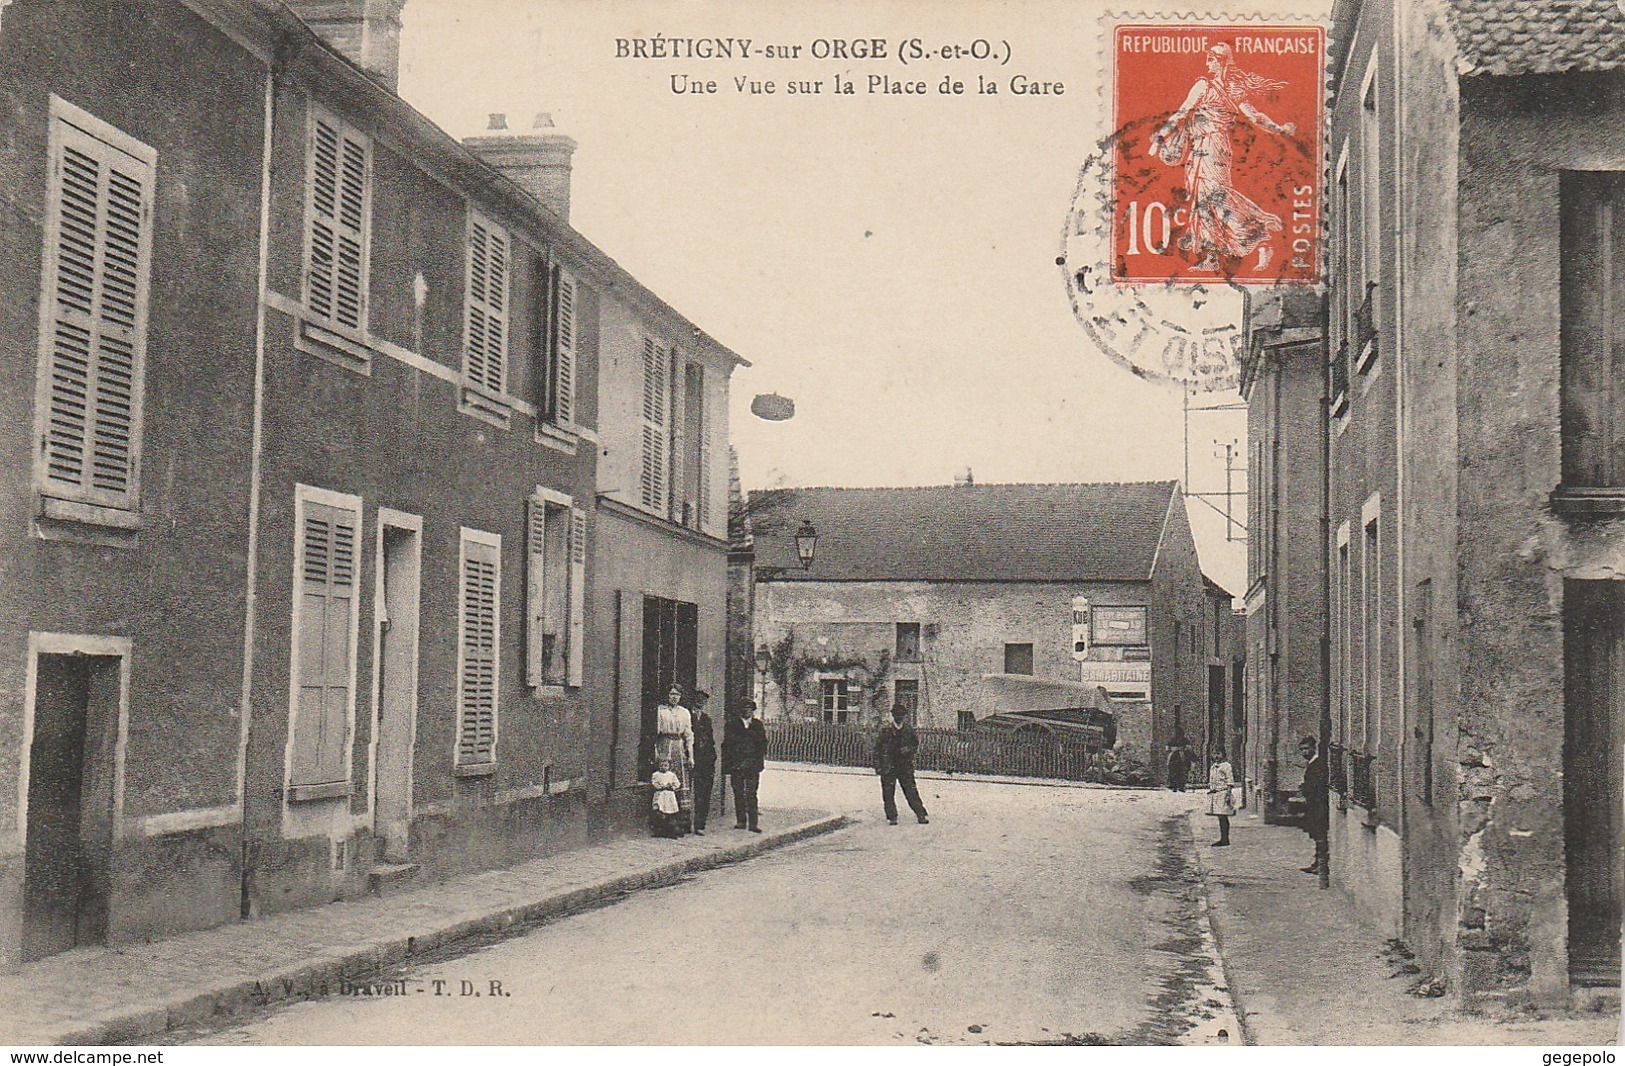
142, 1022
1212, 903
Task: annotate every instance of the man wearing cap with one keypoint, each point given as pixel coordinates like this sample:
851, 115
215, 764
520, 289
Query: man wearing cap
894, 762
705, 758
744, 751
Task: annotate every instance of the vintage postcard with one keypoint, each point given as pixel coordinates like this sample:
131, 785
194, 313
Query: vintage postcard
721, 523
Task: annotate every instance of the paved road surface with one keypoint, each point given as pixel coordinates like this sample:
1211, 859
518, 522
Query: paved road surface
1035, 914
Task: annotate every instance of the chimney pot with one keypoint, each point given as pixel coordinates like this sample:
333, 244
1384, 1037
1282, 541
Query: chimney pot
367, 32
538, 159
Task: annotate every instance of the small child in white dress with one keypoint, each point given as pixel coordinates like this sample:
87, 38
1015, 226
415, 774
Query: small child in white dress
666, 783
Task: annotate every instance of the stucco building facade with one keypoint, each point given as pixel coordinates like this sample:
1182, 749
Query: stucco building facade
316, 481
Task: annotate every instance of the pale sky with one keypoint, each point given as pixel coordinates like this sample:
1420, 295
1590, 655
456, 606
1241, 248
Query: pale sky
886, 261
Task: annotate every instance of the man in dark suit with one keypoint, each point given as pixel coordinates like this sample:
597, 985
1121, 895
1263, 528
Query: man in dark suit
1316, 815
705, 759
744, 751
894, 762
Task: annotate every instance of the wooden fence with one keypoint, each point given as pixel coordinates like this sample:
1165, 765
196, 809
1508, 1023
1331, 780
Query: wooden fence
970, 751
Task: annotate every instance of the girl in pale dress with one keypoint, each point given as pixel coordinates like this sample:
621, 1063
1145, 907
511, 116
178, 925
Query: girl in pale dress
665, 784
1221, 801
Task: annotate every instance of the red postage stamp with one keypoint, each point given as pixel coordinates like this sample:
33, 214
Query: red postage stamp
1217, 168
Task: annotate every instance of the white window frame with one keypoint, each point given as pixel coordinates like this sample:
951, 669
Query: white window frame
538, 572
57, 499
834, 698
303, 495
466, 537
1371, 643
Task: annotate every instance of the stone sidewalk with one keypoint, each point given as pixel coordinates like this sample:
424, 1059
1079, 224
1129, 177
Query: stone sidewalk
138, 993
1304, 970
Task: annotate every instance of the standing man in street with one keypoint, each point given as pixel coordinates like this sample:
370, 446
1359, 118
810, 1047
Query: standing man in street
894, 762
744, 750
1316, 806
705, 759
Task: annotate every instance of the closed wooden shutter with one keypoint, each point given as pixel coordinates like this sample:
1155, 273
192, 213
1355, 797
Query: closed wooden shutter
96, 271
535, 592
656, 435
324, 670
703, 398
485, 332
336, 219
565, 384
578, 596
477, 657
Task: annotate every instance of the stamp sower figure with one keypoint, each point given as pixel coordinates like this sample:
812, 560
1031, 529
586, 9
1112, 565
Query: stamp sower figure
705, 758
1179, 759
665, 810
894, 762
1224, 224
1316, 807
1221, 800
674, 739
744, 750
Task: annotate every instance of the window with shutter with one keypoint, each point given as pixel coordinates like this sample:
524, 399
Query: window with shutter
97, 261
656, 431
324, 640
547, 588
485, 325
564, 384
337, 206
479, 601
578, 597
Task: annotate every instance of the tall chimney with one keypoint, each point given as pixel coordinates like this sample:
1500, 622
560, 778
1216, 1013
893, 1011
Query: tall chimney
368, 32
539, 161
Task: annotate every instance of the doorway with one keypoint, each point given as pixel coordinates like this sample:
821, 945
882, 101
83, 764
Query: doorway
72, 794
1593, 752
671, 655
396, 610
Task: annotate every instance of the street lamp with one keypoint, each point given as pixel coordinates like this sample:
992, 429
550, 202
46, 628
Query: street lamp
764, 662
806, 543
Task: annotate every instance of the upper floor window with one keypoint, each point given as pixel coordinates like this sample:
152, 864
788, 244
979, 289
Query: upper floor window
908, 642
557, 304
654, 482
1593, 334
485, 317
1363, 342
338, 205
97, 261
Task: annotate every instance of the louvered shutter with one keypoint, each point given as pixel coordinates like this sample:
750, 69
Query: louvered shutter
485, 333
566, 382
703, 452
578, 596
477, 665
335, 273
323, 668
656, 438
535, 592
96, 288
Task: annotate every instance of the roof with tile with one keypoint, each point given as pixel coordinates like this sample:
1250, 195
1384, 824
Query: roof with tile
1071, 532
1539, 36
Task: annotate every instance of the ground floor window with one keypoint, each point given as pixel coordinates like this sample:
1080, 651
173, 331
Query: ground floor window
835, 698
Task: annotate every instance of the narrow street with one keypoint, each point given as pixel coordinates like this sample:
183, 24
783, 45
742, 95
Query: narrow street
1020, 914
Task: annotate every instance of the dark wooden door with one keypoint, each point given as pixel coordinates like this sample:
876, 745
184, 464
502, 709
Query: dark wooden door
1593, 753
670, 656
68, 854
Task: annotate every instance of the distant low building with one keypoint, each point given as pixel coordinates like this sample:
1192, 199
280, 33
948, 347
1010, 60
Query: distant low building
969, 602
